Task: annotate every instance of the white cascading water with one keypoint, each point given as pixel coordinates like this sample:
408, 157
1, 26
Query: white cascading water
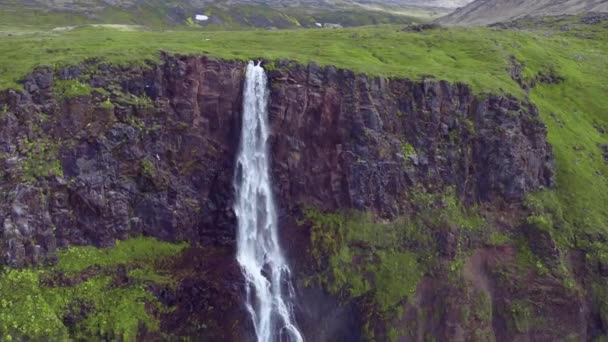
270, 294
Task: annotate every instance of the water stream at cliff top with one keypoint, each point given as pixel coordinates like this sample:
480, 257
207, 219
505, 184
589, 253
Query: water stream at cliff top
270, 294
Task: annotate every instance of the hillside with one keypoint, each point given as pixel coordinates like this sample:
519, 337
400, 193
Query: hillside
265, 14
485, 12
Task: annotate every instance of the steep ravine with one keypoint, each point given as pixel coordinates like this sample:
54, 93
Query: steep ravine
96, 153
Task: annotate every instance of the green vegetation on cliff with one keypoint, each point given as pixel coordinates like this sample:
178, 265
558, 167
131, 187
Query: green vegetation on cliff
71, 88
41, 159
90, 293
360, 257
357, 247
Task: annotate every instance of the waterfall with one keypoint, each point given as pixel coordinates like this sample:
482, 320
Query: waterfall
270, 294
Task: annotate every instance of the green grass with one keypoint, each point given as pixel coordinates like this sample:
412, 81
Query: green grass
76, 259
32, 310
570, 109
477, 56
71, 88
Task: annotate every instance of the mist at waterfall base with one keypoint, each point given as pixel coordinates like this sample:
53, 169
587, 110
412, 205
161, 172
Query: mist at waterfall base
269, 291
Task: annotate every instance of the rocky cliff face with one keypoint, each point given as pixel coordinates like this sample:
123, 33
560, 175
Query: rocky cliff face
92, 154
351, 141
159, 157
156, 160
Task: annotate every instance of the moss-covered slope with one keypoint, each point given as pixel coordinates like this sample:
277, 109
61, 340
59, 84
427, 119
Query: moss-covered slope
90, 292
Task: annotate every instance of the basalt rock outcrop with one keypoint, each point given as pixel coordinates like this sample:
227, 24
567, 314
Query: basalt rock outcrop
152, 151
364, 142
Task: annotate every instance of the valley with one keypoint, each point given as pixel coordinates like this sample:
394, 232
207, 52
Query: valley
219, 15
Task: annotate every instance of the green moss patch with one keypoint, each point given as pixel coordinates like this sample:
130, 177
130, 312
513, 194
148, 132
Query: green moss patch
24, 310
365, 257
524, 316
138, 251
71, 88
41, 159
88, 294
360, 257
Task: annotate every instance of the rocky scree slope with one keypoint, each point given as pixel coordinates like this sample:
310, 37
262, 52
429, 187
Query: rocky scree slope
95, 153
485, 12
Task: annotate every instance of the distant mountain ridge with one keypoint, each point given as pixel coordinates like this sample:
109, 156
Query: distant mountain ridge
485, 12
93, 5
60, 4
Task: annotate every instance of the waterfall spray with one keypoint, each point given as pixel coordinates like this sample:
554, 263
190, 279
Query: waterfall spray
270, 293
